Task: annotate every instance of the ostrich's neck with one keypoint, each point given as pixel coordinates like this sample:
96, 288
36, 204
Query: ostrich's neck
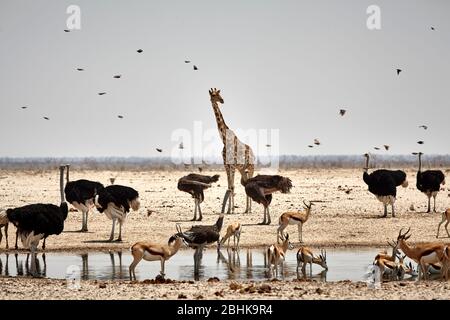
221, 125
420, 163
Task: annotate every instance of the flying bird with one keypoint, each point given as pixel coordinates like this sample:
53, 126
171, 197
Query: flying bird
268, 145
140, 51
159, 150
398, 71
376, 148
310, 146
424, 127
80, 69
66, 30
386, 147
195, 67
46, 118
187, 61
120, 117
317, 142
420, 142
24, 107
101, 93
181, 146
342, 112
432, 28
118, 76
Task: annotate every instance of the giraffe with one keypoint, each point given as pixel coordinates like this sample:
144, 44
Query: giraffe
236, 155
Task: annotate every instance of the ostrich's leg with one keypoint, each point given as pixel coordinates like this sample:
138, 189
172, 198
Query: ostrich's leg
264, 221
85, 220
268, 216
43, 244
200, 216
195, 210
6, 235
16, 247
111, 237
434, 199
385, 211
44, 272
429, 203
393, 209
119, 239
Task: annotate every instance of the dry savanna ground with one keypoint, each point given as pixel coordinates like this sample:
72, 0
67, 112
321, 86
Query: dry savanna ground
344, 220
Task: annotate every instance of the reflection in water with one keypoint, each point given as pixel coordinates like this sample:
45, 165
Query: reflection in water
245, 264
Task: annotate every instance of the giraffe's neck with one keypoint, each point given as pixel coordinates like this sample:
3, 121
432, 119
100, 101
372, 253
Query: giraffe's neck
221, 125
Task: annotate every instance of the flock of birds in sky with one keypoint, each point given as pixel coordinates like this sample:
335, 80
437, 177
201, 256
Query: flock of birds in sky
316, 142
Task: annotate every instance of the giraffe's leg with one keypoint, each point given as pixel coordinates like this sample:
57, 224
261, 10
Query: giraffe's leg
231, 188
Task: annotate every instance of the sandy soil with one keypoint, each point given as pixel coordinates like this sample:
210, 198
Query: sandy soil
345, 220
36, 289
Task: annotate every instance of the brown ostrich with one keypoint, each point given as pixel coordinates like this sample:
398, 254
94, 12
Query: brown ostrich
261, 187
195, 184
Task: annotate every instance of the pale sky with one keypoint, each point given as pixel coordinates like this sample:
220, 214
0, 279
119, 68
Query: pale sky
283, 65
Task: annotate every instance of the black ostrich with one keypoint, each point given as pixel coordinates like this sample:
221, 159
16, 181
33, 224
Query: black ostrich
115, 201
81, 195
261, 187
195, 184
383, 184
198, 237
38, 221
429, 182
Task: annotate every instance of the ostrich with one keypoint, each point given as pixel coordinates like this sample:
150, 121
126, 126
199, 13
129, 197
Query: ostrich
194, 184
115, 201
261, 187
38, 221
429, 182
81, 195
198, 237
383, 184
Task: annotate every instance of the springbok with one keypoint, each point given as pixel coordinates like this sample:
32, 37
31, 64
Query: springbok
445, 217
234, 230
306, 256
298, 217
152, 252
423, 254
276, 255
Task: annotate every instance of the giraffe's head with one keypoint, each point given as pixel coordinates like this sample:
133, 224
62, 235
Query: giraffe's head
215, 95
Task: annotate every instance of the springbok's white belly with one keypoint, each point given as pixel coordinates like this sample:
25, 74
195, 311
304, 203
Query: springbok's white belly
431, 258
151, 257
292, 221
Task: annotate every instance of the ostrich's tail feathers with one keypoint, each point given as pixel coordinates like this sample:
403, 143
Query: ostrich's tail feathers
3, 218
285, 185
135, 204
